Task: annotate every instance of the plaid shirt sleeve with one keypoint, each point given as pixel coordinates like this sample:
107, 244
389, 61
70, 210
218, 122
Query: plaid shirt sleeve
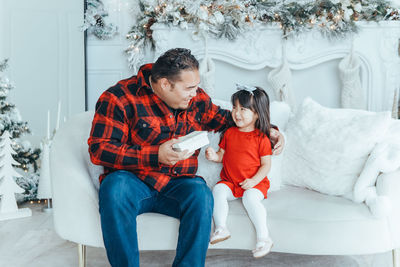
213, 117
108, 141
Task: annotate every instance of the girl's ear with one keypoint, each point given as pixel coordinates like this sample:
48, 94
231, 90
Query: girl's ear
256, 114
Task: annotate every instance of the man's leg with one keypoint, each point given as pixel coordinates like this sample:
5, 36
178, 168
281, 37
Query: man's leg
191, 201
122, 197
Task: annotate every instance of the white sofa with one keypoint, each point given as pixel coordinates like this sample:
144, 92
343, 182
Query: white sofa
300, 220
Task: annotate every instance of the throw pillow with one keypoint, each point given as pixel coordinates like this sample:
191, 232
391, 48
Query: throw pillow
280, 113
384, 158
327, 148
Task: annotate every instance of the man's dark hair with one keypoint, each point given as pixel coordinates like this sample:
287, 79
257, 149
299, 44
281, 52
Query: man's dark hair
170, 64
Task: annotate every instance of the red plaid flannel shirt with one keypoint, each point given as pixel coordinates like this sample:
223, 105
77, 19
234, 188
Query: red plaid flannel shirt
131, 122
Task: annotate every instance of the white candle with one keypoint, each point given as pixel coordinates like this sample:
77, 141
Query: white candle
58, 115
48, 124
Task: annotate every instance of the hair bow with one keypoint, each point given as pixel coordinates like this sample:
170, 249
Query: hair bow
247, 88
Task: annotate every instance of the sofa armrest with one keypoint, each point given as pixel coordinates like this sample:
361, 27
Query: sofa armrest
75, 198
388, 184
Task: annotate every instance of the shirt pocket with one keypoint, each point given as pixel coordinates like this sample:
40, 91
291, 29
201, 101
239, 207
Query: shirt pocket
194, 122
149, 131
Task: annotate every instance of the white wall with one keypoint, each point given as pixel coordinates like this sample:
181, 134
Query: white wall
106, 60
46, 51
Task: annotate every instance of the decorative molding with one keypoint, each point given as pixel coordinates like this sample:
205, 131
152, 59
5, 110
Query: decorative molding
389, 43
262, 48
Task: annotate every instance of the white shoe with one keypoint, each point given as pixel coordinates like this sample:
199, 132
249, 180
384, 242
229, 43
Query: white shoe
263, 247
220, 234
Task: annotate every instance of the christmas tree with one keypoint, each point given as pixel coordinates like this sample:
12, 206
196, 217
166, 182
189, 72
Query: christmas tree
26, 155
8, 187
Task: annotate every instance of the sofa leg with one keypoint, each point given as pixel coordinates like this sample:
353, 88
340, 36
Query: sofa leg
396, 257
82, 255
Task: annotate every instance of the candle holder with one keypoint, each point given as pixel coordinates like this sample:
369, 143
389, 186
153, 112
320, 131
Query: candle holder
49, 207
44, 188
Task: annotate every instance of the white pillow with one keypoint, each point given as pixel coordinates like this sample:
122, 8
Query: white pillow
280, 113
384, 158
327, 148
210, 171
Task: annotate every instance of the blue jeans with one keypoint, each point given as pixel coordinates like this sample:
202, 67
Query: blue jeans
123, 196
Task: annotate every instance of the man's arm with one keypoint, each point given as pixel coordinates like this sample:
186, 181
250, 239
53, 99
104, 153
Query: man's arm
278, 140
109, 135
213, 117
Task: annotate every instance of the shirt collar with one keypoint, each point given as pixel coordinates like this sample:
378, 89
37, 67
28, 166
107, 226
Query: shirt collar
143, 76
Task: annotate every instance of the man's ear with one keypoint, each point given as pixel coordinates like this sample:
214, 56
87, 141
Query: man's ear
165, 84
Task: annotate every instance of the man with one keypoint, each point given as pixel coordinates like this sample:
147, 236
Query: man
134, 128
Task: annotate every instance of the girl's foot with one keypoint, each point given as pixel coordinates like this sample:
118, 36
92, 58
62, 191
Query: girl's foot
263, 247
220, 234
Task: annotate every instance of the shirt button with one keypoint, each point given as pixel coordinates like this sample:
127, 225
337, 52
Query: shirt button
170, 116
144, 125
174, 172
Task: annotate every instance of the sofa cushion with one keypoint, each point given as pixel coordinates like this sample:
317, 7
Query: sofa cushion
307, 222
327, 148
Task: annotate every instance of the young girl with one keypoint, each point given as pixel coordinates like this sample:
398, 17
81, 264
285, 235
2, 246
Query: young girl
245, 151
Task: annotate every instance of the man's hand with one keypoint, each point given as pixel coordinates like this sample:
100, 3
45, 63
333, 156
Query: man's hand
279, 141
248, 183
168, 156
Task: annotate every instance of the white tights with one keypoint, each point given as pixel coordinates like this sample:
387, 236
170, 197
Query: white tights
251, 201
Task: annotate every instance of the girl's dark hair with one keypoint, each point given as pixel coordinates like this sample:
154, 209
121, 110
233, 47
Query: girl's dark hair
258, 102
170, 64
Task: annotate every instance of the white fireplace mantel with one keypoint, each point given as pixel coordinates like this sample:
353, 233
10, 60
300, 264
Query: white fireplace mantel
377, 44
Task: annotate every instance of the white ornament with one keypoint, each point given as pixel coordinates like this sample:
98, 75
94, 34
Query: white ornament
348, 13
352, 92
280, 80
8, 187
358, 7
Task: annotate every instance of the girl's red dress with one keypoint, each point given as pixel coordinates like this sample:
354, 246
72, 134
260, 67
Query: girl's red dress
242, 158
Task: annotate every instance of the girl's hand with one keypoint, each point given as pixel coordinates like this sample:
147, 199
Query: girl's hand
211, 154
248, 183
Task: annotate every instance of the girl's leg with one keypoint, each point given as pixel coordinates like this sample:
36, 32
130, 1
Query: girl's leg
222, 194
252, 201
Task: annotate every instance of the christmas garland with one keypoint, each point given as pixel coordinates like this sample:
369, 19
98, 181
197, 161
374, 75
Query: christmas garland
228, 19
95, 22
